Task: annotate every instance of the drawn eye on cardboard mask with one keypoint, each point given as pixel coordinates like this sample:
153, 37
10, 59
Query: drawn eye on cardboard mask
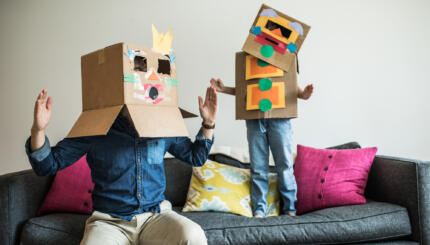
140, 63
278, 30
163, 66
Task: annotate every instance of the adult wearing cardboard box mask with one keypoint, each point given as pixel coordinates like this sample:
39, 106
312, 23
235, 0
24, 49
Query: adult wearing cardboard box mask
125, 145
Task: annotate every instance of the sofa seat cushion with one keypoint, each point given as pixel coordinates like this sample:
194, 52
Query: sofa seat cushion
372, 221
55, 228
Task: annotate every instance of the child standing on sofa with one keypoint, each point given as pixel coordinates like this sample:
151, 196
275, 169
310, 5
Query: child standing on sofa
275, 133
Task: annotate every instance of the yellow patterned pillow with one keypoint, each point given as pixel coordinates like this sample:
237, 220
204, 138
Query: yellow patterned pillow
223, 188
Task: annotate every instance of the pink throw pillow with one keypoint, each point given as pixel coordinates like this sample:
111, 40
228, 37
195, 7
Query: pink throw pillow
328, 178
70, 191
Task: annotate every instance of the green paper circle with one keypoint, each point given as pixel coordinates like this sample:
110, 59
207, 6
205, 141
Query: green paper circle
266, 51
265, 105
265, 84
262, 63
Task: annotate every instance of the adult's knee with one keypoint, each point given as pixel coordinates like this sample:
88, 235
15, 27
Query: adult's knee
193, 234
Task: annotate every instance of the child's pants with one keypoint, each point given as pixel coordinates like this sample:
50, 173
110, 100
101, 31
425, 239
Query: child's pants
276, 133
166, 227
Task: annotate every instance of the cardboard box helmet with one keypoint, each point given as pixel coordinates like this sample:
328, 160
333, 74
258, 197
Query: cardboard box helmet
275, 37
136, 78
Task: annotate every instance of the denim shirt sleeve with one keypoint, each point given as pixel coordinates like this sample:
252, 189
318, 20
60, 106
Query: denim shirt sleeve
194, 153
49, 160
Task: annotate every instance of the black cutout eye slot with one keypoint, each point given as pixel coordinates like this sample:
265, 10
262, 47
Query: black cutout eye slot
140, 63
272, 26
163, 66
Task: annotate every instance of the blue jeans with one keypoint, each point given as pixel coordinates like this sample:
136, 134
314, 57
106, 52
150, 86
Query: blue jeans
275, 133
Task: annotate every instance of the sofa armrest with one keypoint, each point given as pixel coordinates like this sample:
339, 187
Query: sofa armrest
21, 194
404, 182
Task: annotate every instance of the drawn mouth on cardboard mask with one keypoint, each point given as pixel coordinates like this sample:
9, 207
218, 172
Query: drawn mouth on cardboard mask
152, 92
277, 45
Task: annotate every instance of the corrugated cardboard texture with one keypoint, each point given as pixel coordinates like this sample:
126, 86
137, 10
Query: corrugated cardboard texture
282, 61
290, 79
102, 78
160, 121
94, 122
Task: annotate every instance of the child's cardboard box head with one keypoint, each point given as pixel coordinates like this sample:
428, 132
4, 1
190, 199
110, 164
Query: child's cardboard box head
263, 90
139, 79
275, 37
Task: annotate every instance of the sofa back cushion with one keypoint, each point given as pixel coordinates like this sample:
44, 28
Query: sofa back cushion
178, 175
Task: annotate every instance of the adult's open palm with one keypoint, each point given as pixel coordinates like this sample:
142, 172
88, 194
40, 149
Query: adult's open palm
209, 108
42, 111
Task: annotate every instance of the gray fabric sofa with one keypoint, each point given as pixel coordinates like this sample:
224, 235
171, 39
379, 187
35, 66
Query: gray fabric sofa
397, 212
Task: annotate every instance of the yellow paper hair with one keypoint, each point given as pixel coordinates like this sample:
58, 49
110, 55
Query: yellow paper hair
160, 42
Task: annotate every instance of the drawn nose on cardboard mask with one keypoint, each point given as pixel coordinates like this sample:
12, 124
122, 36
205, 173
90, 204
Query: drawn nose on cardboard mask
153, 77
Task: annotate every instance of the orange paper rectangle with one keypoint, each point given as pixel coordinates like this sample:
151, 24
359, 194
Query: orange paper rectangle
271, 94
276, 95
254, 70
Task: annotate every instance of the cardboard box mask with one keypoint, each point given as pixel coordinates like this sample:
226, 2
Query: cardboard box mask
275, 37
263, 90
139, 79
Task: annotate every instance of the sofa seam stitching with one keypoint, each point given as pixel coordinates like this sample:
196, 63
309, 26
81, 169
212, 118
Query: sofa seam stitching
397, 211
23, 172
362, 240
47, 227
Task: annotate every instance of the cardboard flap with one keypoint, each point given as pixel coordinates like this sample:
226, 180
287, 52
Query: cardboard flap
157, 121
187, 114
94, 122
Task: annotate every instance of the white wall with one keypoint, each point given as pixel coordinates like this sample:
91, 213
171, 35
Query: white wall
369, 61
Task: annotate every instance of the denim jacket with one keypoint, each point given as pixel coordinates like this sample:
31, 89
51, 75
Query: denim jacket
128, 171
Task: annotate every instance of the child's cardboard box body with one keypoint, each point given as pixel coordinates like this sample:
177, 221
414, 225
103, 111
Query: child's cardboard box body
263, 90
275, 37
137, 78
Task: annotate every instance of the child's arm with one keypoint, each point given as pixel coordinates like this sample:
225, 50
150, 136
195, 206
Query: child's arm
219, 85
306, 93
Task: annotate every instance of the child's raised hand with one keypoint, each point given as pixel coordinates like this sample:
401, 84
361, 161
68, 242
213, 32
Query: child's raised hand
217, 84
307, 92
